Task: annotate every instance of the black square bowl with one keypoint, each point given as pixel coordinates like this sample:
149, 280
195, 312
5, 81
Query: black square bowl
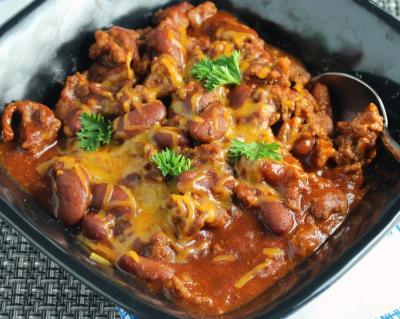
50, 39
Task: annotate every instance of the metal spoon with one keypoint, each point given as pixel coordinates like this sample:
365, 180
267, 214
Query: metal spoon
350, 96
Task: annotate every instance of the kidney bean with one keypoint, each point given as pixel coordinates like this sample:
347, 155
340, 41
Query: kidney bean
98, 226
170, 137
72, 193
239, 95
211, 125
276, 217
138, 120
114, 199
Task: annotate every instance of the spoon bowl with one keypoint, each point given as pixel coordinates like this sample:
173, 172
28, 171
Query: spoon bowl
350, 96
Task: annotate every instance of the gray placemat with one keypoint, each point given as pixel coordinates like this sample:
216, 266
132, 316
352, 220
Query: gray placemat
393, 6
34, 287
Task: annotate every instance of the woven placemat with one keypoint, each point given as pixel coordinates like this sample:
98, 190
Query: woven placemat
393, 6
34, 287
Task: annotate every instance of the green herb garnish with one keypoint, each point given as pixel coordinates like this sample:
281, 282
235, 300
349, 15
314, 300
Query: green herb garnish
254, 151
95, 131
171, 163
224, 70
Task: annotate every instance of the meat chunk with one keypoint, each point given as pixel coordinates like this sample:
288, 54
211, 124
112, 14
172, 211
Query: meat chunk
208, 153
323, 152
292, 103
68, 109
71, 191
322, 97
114, 199
327, 202
201, 13
320, 124
114, 77
159, 248
272, 66
356, 140
305, 239
139, 120
38, 127
265, 68
165, 76
247, 196
176, 13
161, 276
297, 72
325, 198
79, 95
211, 125
98, 226
308, 132
223, 26
134, 98
180, 291
348, 177
115, 46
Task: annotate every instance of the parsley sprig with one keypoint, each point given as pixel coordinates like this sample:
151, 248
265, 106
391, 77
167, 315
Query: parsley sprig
222, 71
95, 131
254, 151
171, 163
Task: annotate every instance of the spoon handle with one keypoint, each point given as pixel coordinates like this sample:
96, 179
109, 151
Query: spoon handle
390, 144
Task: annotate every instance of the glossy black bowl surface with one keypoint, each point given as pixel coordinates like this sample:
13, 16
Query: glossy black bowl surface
50, 40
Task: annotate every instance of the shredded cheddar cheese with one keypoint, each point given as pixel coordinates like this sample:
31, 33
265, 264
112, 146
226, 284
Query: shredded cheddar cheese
99, 259
222, 258
252, 273
273, 252
134, 255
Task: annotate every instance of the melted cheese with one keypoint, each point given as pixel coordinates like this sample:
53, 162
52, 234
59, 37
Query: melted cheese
100, 260
252, 273
134, 255
273, 252
110, 164
104, 251
223, 258
172, 68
